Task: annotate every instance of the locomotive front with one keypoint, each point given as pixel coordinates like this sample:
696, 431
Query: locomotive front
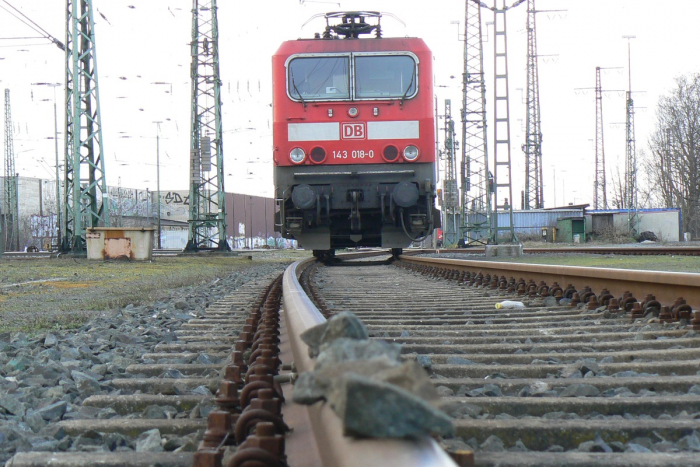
354, 154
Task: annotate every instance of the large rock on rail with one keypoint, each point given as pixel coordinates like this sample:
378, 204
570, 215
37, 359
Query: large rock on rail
379, 410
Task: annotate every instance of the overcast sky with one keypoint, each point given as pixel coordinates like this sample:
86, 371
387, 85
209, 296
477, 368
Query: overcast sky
144, 43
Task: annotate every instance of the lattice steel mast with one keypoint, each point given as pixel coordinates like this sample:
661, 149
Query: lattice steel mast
451, 192
501, 133
85, 198
533, 138
631, 163
476, 193
10, 228
600, 199
207, 220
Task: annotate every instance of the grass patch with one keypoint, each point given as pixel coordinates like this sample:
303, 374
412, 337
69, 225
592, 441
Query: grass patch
33, 300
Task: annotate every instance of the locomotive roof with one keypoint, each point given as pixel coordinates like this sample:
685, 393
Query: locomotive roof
385, 44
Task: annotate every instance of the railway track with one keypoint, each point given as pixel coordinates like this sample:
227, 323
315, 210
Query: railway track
548, 384
542, 385
596, 250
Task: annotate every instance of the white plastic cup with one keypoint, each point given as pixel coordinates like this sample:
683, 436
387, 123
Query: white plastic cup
509, 304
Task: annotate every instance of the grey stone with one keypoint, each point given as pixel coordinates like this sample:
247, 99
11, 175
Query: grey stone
519, 446
444, 391
88, 387
580, 390
493, 444
114, 441
424, 361
53, 411
306, 391
689, 443
342, 325
571, 371
539, 387
12, 405
374, 409
106, 413
50, 340
405, 334
202, 390
35, 421
17, 364
461, 410
149, 441
695, 389
637, 448
411, 377
345, 349
492, 390
154, 412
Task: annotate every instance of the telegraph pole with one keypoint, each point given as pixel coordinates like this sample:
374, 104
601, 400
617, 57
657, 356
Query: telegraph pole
158, 176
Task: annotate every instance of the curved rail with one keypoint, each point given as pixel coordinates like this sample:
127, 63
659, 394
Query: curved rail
666, 286
317, 437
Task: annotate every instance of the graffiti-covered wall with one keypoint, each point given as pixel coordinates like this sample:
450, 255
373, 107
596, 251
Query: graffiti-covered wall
249, 219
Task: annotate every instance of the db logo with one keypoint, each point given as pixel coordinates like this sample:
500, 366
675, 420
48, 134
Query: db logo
353, 130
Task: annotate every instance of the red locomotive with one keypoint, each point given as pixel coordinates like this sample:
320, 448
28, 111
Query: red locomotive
354, 138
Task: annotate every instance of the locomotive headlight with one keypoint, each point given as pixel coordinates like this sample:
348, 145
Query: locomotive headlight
353, 112
410, 153
297, 155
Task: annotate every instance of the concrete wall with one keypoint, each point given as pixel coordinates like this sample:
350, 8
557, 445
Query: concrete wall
665, 223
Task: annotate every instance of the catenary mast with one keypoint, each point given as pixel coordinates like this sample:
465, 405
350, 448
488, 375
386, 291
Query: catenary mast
85, 197
533, 138
207, 217
10, 228
476, 193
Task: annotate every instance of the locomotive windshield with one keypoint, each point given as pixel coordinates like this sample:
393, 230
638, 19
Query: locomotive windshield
384, 76
313, 78
376, 76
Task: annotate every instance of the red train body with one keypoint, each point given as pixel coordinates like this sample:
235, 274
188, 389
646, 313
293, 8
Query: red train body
354, 138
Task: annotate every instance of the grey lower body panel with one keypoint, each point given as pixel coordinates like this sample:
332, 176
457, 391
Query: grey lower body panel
355, 205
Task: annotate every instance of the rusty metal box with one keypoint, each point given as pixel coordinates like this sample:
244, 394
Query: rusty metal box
132, 243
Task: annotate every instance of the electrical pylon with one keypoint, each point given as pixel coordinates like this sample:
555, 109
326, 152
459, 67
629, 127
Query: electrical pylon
631, 163
533, 137
207, 219
501, 134
476, 193
451, 193
85, 196
10, 228
600, 199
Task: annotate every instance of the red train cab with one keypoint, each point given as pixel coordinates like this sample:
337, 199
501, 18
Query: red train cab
354, 137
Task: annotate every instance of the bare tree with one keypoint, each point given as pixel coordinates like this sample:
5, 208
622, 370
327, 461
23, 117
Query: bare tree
673, 167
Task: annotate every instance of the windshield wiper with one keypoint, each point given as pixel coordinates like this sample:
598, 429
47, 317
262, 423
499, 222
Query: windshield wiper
403, 98
294, 85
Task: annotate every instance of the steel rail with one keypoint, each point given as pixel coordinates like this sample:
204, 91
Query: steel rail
329, 447
604, 250
666, 286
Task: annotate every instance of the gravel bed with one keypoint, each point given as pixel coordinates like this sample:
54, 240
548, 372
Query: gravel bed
45, 378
